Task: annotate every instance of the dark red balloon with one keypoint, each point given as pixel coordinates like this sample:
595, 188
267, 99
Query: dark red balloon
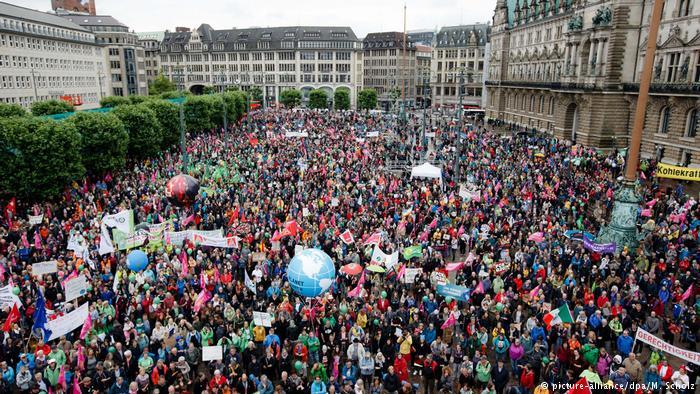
181, 190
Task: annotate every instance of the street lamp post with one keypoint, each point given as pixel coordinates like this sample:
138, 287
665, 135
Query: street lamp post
459, 124
100, 75
36, 95
183, 151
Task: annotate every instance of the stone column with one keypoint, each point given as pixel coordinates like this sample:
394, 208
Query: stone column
567, 57
599, 58
591, 49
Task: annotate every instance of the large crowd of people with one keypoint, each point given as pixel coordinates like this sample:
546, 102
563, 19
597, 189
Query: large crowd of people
510, 231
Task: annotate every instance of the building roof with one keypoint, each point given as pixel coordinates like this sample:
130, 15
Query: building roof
38, 17
151, 35
386, 40
94, 20
250, 36
463, 35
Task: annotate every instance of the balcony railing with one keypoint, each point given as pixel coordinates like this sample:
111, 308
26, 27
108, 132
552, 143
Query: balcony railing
547, 85
681, 88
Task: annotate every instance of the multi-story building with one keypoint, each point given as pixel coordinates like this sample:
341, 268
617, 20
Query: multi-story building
274, 59
43, 56
424, 55
125, 56
573, 69
459, 49
390, 69
150, 41
423, 37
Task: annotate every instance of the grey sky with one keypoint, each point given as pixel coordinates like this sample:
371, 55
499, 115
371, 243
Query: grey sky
364, 16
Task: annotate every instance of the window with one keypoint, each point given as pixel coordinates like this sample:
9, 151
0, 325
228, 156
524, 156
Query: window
674, 61
113, 51
285, 55
117, 91
691, 124
269, 56
114, 64
116, 77
551, 105
325, 56
683, 8
257, 56
664, 120
287, 44
697, 67
308, 55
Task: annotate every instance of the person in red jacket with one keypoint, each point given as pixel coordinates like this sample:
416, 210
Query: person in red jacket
527, 379
218, 381
401, 368
665, 371
160, 370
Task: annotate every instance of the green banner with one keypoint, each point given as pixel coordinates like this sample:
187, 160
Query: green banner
413, 251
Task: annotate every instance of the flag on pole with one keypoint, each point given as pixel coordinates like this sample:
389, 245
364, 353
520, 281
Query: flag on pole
535, 291
580, 387
401, 272
76, 386
249, 283
87, 326
202, 299
454, 266
412, 251
358, 289
451, 321
40, 317
12, 318
292, 228
687, 293
558, 316
373, 239
479, 288
347, 237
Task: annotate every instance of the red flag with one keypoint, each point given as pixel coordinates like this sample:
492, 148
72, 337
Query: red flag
87, 326
347, 237
401, 272
12, 318
687, 293
76, 386
451, 321
188, 220
580, 387
292, 227
276, 237
454, 266
535, 291
479, 288
374, 239
202, 299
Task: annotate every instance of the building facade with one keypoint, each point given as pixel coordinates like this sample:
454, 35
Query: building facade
150, 41
572, 68
459, 49
43, 56
124, 55
390, 69
274, 59
424, 56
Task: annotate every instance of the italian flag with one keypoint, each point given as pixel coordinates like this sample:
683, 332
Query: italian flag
558, 316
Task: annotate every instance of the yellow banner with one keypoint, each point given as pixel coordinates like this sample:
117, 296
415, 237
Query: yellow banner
675, 172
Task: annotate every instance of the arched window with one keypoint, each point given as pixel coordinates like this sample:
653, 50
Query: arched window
522, 102
691, 124
541, 108
664, 120
532, 103
683, 8
551, 105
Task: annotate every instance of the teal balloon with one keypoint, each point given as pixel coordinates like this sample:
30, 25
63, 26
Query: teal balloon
298, 366
15, 290
311, 273
136, 260
499, 307
448, 299
383, 294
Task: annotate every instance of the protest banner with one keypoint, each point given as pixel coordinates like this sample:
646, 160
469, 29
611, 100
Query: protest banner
217, 242
212, 353
411, 274
75, 287
8, 298
36, 219
656, 342
437, 278
676, 172
460, 293
372, 134
262, 319
43, 268
294, 134
413, 251
130, 241
599, 248
67, 323
391, 260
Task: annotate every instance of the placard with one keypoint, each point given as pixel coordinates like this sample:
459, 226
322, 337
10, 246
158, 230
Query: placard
212, 353
75, 287
67, 323
43, 268
410, 275
262, 319
36, 219
8, 298
259, 256
654, 341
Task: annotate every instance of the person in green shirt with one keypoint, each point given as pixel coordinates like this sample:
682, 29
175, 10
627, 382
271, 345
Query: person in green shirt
590, 353
319, 370
58, 355
51, 373
207, 336
313, 345
483, 371
146, 361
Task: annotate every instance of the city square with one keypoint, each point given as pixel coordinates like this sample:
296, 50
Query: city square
331, 205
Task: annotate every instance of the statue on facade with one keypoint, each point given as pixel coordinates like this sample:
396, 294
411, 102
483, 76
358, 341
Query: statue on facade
657, 70
684, 68
603, 17
576, 23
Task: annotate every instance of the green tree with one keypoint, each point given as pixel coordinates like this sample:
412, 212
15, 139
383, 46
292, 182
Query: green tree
104, 141
114, 101
342, 98
134, 99
318, 99
173, 94
235, 105
198, 113
168, 115
367, 99
145, 135
161, 85
256, 94
51, 107
209, 89
41, 158
10, 110
290, 98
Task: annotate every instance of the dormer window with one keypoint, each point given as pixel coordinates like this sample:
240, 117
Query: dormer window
266, 36
289, 34
312, 34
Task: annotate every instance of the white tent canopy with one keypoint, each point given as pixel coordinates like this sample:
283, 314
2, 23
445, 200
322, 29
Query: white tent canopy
426, 170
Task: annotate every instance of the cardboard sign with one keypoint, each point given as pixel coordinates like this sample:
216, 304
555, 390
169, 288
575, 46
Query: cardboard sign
46, 267
76, 287
212, 353
262, 319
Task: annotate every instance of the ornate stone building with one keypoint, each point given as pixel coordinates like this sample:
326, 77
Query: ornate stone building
572, 68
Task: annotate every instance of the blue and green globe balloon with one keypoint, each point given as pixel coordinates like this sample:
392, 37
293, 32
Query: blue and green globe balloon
311, 272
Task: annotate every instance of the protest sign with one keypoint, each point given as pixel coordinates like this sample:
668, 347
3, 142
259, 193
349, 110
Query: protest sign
656, 342
212, 353
262, 319
411, 274
676, 172
460, 293
8, 298
217, 242
258, 256
599, 248
43, 268
293, 134
75, 287
67, 323
372, 134
36, 219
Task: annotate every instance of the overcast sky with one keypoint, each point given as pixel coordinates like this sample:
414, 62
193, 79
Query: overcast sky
364, 16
